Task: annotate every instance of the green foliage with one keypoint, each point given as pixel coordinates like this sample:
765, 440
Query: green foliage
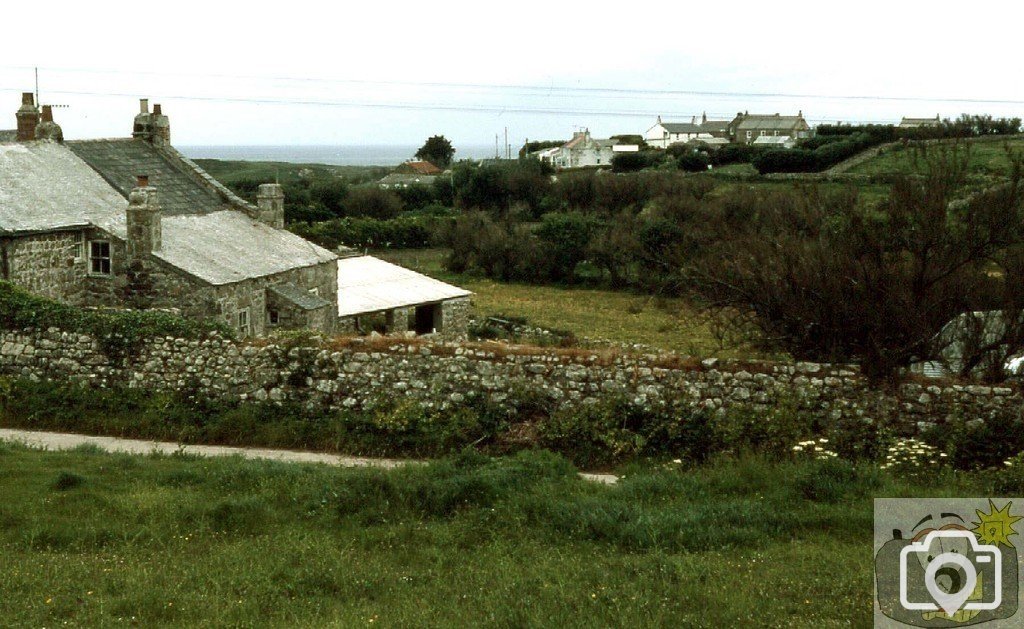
617, 428
835, 480
67, 480
437, 150
565, 238
373, 202
405, 232
693, 162
978, 443
119, 332
771, 432
639, 160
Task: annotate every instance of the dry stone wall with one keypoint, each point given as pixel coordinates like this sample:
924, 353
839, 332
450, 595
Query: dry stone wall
356, 373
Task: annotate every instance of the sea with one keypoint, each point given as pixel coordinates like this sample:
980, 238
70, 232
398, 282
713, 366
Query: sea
341, 155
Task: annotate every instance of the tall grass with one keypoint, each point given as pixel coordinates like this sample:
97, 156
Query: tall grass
466, 541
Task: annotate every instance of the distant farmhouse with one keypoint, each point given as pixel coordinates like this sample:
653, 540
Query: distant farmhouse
130, 222
411, 173
665, 134
584, 151
746, 128
915, 123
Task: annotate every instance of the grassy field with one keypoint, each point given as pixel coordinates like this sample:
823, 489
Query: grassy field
622, 317
987, 157
229, 171
88, 538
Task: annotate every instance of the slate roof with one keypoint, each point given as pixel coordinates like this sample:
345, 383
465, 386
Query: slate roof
682, 127
229, 246
119, 161
44, 186
769, 122
299, 296
368, 284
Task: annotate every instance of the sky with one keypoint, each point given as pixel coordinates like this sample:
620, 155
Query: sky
396, 72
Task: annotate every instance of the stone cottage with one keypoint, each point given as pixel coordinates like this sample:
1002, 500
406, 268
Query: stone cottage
130, 222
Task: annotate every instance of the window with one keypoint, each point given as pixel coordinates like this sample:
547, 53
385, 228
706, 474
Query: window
79, 247
274, 317
315, 291
763, 132
99, 257
243, 322
748, 135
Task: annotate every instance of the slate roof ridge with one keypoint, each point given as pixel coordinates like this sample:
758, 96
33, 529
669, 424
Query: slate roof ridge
207, 180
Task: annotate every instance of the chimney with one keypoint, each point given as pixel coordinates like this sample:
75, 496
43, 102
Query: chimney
270, 200
143, 220
160, 126
704, 118
142, 129
47, 128
28, 118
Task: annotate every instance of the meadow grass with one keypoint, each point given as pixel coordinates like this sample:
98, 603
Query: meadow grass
988, 156
465, 541
618, 316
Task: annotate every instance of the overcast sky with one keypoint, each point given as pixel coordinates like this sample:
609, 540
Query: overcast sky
396, 72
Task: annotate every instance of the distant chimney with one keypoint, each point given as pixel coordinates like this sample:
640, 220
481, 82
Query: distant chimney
704, 118
143, 220
47, 128
142, 129
160, 125
28, 118
270, 200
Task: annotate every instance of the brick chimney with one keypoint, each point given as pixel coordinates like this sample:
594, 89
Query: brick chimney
143, 220
270, 200
141, 128
48, 129
28, 118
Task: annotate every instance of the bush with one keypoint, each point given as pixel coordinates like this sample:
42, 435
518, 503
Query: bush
67, 480
404, 232
693, 162
373, 202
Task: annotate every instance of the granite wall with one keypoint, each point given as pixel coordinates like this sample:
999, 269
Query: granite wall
360, 373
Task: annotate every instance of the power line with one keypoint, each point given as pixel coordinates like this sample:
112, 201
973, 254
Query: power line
550, 88
492, 109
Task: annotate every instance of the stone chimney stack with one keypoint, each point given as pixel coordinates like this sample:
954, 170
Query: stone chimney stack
270, 200
48, 129
143, 220
142, 128
28, 118
160, 126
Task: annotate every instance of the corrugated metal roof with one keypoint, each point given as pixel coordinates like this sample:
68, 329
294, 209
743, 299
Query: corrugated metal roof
120, 160
229, 246
368, 284
299, 296
44, 186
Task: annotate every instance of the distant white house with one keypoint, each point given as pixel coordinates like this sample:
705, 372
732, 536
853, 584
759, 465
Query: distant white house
915, 123
583, 151
664, 134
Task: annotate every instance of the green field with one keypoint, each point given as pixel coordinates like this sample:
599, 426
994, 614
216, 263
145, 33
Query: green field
88, 538
987, 157
622, 317
229, 172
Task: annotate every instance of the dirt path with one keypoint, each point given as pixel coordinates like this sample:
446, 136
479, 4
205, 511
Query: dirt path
69, 441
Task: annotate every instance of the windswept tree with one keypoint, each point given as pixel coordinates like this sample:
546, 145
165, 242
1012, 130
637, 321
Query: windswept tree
437, 150
827, 278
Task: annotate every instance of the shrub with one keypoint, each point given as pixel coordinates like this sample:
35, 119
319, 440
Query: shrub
771, 432
67, 480
693, 162
373, 202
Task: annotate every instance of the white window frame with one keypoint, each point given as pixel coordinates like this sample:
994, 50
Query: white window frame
242, 322
78, 248
93, 258
748, 134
